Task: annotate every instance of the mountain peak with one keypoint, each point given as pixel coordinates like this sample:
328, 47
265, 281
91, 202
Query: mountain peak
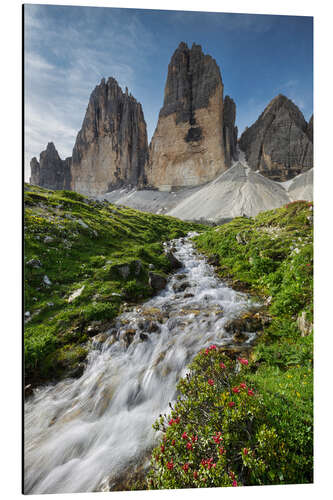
279, 143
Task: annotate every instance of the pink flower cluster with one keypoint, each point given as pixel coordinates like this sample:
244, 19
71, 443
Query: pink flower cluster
243, 361
208, 463
217, 437
174, 421
210, 348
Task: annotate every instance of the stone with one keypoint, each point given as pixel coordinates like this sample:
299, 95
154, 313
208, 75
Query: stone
180, 287
240, 337
111, 148
75, 294
128, 336
213, 260
138, 267
156, 281
47, 280
124, 271
279, 144
304, 325
187, 148
36, 263
51, 171
174, 262
83, 224
250, 322
149, 326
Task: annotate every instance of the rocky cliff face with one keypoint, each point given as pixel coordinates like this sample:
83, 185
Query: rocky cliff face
187, 148
310, 129
111, 148
279, 144
230, 132
51, 171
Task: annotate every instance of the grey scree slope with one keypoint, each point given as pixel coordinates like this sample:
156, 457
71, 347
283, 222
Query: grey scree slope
238, 191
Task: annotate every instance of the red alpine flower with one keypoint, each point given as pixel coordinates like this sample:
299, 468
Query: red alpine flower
170, 465
194, 438
185, 467
243, 361
234, 483
211, 381
222, 365
242, 385
231, 404
245, 451
235, 390
195, 474
250, 392
217, 437
184, 435
189, 446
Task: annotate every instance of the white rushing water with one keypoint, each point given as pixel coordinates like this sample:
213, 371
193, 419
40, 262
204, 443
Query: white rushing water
81, 434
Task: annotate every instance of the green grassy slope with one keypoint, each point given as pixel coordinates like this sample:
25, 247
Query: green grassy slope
271, 255
73, 242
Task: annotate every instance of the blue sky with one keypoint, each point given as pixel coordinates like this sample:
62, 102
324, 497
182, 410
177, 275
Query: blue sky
69, 49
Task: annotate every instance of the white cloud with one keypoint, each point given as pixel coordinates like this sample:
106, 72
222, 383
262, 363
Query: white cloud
65, 61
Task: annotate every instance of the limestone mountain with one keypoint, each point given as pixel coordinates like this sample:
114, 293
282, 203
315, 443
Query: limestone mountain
279, 143
187, 148
111, 148
51, 171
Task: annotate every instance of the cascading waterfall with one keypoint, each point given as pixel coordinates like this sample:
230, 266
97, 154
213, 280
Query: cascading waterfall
80, 435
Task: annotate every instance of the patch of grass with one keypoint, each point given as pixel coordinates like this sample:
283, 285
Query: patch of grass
72, 243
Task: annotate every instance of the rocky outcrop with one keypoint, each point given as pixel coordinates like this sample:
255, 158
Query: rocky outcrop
187, 148
51, 171
111, 148
309, 129
230, 131
279, 143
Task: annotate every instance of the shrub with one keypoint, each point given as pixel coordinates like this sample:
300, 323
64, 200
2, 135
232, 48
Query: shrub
217, 433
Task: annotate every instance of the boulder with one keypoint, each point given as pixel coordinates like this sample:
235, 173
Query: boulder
174, 262
35, 263
156, 281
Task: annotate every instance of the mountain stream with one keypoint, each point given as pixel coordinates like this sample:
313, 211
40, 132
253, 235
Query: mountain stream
82, 434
